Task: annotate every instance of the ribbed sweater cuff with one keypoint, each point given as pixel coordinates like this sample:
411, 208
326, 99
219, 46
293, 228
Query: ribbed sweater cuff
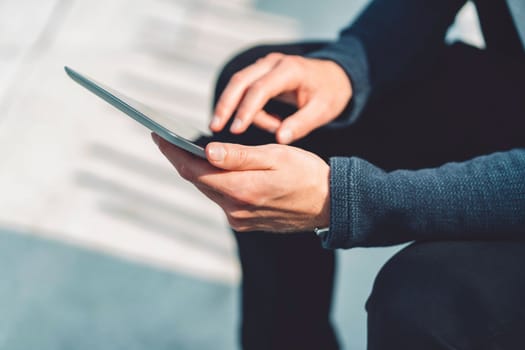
364, 206
355, 196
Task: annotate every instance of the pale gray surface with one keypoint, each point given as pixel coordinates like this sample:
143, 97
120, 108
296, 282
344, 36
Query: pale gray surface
59, 297
81, 172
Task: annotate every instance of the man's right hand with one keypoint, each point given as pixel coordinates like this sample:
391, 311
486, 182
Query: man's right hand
319, 88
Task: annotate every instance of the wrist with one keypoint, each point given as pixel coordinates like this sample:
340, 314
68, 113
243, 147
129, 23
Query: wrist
340, 77
337, 79
323, 219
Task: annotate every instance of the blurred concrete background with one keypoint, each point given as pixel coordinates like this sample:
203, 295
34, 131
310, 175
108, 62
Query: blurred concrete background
102, 246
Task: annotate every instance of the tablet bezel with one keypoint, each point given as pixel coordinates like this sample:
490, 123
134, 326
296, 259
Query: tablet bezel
127, 107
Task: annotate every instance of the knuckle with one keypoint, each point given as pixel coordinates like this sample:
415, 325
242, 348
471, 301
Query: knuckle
277, 151
289, 59
258, 88
292, 60
239, 214
241, 155
243, 113
237, 77
235, 223
251, 199
232, 222
294, 64
274, 55
221, 108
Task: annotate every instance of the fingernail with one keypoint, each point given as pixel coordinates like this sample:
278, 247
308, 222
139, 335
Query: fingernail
155, 138
215, 122
285, 136
216, 153
237, 125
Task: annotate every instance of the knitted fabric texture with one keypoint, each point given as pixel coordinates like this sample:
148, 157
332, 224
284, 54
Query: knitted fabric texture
483, 198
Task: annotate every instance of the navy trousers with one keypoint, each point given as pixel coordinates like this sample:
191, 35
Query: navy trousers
431, 295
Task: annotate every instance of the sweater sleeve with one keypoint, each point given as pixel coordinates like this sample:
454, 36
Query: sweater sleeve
390, 42
483, 198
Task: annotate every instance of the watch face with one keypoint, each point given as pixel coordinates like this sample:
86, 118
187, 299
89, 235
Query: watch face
321, 231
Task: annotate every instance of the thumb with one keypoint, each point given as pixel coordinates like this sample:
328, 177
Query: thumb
299, 124
230, 156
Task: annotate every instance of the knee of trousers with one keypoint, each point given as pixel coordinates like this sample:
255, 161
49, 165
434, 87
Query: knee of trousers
420, 291
443, 295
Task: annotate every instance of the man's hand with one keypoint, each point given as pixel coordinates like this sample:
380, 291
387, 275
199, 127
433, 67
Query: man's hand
272, 188
319, 88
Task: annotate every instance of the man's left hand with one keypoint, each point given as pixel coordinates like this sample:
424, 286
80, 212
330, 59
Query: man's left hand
272, 188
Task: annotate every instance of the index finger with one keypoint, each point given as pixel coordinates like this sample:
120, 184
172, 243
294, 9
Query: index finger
284, 77
234, 91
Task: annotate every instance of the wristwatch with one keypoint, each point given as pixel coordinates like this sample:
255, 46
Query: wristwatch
321, 230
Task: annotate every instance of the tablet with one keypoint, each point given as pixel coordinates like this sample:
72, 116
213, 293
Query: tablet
179, 133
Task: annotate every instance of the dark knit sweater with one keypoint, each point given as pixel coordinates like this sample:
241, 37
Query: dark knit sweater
483, 198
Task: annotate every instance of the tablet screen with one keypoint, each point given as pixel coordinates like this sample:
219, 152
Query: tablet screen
180, 133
